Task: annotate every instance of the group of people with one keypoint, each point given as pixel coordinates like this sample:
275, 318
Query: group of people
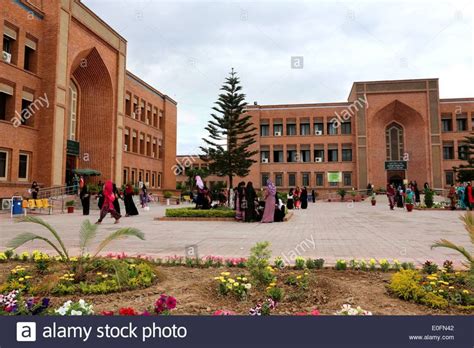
399, 195
461, 195
298, 198
249, 208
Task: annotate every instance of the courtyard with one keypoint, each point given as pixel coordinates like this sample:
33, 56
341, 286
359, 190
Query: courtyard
325, 230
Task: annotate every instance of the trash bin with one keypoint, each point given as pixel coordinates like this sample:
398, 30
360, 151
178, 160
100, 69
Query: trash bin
16, 206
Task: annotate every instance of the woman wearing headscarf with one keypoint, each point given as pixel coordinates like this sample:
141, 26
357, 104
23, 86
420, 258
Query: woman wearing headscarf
280, 210
304, 198
34, 190
108, 206
144, 196
290, 200
391, 196
239, 202
130, 208
269, 212
296, 197
116, 200
85, 199
250, 196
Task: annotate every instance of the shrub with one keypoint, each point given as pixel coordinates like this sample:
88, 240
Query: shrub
167, 194
341, 265
430, 267
238, 286
407, 265
448, 266
279, 263
406, 284
200, 213
299, 262
342, 193
429, 198
310, 263
319, 263
434, 301
258, 264
275, 293
384, 265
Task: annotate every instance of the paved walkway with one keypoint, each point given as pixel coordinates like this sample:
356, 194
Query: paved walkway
326, 230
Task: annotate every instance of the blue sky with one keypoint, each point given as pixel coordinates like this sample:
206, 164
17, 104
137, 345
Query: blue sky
186, 49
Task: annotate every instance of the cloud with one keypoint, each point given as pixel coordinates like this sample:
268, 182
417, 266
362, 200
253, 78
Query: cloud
185, 49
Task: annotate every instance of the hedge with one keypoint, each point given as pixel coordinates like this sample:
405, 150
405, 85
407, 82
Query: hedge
210, 213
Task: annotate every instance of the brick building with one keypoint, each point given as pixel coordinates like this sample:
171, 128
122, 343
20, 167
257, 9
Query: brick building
190, 161
67, 102
386, 131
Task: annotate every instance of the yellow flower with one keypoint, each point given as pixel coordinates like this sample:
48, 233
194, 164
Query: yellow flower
223, 281
441, 290
272, 284
229, 286
99, 273
451, 287
225, 273
432, 283
465, 292
21, 279
244, 279
231, 280
305, 273
236, 284
105, 275
298, 277
217, 278
73, 259
28, 277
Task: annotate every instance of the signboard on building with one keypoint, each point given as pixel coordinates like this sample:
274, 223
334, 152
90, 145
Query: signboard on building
396, 165
73, 147
334, 176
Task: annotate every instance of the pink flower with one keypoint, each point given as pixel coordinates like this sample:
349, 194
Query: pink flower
223, 312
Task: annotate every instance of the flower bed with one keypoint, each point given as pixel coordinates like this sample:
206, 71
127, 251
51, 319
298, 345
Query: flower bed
200, 213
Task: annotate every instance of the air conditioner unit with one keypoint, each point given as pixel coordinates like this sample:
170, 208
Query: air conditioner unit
318, 159
125, 147
264, 160
6, 204
278, 134
318, 132
134, 115
7, 57
153, 154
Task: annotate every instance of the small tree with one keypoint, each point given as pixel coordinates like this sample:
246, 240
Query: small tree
342, 192
465, 172
231, 133
429, 198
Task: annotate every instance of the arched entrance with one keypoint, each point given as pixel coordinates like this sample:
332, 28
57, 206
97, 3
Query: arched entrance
91, 121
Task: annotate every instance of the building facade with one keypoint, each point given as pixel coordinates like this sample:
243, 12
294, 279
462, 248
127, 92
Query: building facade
195, 162
67, 102
387, 131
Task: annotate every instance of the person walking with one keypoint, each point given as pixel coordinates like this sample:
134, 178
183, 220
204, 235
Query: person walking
296, 196
130, 208
391, 196
34, 190
250, 196
144, 196
116, 200
85, 197
417, 193
290, 203
452, 195
108, 205
313, 195
269, 212
304, 198
470, 198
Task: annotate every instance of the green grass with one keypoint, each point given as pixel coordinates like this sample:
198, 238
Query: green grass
199, 213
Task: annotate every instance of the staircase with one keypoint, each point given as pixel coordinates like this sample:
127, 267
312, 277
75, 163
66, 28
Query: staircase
58, 196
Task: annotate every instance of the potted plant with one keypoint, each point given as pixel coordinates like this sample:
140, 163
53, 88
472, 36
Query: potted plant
373, 198
70, 206
409, 204
167, 196
342, 192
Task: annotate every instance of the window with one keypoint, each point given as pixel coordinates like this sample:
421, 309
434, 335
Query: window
25, 106
291, 179
142, 144
3, 164
159, 179
128, 104
265, 156
133, 177
446, 123
125, 176
305, 179
346, 128
319, 179
332, 129
278, 179
265, 177
153, 179
277, 129
461, 123
305, 129
72, 111
134, 142
318, 127
346, 153
448, 151
10, 45
291, 155
7, 104
126, 140
264, 130
463, 152
394, 142
449, 177
29, 62
319, 154
305, 155
291, 129
23, 166
278, 156
147, 178
332, 155
347, 179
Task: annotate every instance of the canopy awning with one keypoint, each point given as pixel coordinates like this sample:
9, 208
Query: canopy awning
87, 172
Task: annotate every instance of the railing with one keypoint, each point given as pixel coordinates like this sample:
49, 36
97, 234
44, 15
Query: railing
57, 194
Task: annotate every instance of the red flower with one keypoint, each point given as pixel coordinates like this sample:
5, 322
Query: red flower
127, 311
107, 313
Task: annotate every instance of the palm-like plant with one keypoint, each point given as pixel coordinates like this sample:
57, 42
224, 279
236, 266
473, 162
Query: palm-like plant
87, 233
468, 220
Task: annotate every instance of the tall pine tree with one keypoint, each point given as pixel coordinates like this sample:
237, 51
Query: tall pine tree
465, 172
231, 133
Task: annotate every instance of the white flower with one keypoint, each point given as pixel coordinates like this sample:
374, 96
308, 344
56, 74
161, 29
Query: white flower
61, 310
248, 286
74, 312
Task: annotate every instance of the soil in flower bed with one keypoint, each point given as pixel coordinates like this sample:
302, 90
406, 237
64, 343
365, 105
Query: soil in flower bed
196, 292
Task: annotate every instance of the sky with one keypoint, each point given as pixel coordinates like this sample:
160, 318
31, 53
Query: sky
187, 48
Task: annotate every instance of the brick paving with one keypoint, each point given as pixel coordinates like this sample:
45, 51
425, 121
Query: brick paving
324, 230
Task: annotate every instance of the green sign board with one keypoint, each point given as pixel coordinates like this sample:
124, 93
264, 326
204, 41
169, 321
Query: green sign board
396, 165
73, 147
334, 176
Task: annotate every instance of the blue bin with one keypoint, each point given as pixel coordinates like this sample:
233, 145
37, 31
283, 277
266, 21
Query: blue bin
16, 206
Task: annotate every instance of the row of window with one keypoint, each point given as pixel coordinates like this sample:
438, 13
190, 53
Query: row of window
142, 143
304, 155
134, 176
306, 179
24, 160
140, 110
11, 48
448, 151
319, 128
7, 105
460, 120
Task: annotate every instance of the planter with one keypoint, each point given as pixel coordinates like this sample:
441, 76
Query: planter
409, 207
373, 202
70, 210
